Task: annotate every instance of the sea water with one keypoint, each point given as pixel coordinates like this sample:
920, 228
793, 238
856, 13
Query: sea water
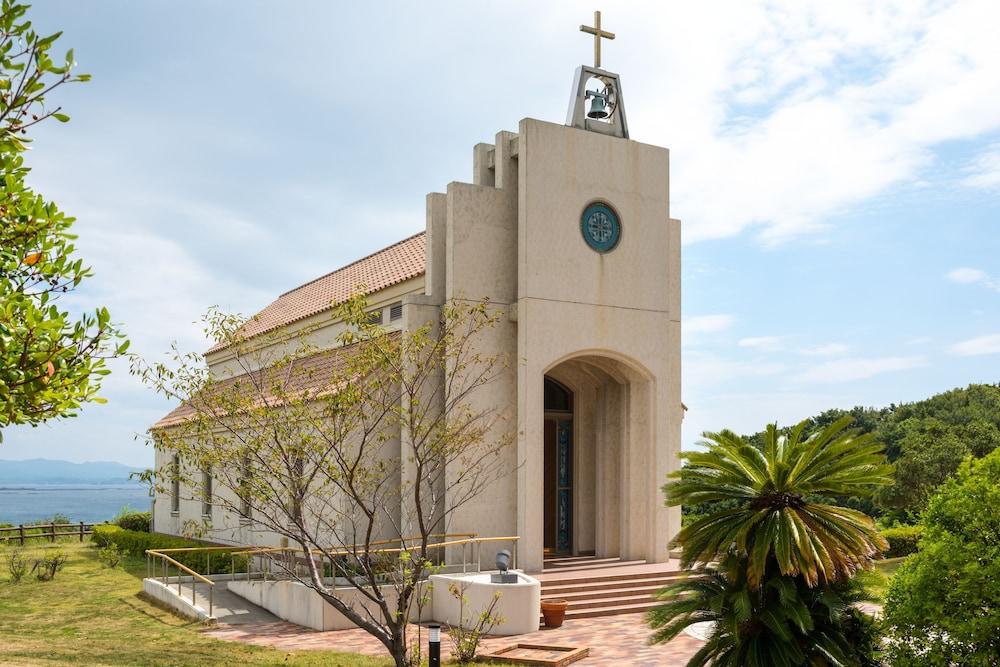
90, 503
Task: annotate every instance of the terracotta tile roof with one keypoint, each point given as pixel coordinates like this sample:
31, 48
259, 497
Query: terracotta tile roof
313, 374
389, 266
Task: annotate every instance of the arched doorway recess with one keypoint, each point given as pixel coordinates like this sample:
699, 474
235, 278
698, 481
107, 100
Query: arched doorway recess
600, 491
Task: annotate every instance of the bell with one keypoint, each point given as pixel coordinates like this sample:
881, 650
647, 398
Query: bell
598, 107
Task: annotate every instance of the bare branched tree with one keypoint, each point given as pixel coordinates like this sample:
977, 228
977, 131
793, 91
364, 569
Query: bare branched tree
359, 455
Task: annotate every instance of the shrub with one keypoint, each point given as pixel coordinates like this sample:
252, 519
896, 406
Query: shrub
137, 521
45, 568
135, 543
943, 604
110, 556
17, 565
902, 540
466, 635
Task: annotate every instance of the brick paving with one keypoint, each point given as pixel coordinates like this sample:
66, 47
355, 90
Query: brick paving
613, 641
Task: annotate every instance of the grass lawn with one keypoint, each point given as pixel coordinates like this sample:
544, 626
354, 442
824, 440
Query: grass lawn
90, 615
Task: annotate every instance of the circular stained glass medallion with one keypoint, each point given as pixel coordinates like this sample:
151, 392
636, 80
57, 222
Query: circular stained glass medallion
600, 227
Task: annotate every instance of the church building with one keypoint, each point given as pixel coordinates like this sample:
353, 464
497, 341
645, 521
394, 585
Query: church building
566, 228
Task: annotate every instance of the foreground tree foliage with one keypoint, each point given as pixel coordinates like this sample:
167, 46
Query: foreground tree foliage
306, 444
51, 361
775, 566
943, 604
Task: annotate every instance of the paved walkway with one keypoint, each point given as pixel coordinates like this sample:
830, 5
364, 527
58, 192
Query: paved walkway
613, 641
230, 608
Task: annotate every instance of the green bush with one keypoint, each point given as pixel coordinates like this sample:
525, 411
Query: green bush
943, 604
110, 556
902, 540
17, 565
101, 535
45, 568
135, 543
131, 520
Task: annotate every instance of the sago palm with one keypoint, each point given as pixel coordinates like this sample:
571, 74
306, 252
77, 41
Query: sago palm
779, 624
772, 511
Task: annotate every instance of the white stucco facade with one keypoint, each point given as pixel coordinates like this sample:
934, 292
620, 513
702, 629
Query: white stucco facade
604, 326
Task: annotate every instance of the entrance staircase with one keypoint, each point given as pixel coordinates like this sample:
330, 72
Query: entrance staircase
597, 587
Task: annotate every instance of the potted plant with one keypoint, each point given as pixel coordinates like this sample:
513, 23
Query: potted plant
554, 612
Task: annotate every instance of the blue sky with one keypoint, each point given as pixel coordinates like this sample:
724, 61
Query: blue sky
836, 167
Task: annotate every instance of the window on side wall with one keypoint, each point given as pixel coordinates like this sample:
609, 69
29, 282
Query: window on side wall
246, 508
395, 311
206, 491
175, 484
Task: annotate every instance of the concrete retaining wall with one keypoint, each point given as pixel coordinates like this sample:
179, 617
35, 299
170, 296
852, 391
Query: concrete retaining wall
169, 597
297, 603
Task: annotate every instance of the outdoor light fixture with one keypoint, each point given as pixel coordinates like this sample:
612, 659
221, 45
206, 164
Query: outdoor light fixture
434, 645
503, 564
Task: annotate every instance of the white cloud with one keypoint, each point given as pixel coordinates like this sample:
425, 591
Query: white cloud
856, 368
989, 344
764, 343
794, 111
825, 350
964, 275
984, 170
706, 323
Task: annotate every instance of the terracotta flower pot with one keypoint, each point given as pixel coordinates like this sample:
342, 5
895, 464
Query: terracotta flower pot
554, 612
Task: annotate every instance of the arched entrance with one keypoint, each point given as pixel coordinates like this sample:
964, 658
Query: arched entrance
601, 492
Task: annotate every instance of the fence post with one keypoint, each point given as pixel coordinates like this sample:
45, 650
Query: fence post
20, 529
52, 532
81, 531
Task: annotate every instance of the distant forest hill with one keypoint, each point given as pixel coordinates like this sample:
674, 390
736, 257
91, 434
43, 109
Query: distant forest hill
926, 441
46, 471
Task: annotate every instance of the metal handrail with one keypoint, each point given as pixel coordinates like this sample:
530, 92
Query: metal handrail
195, 577
239, 549
465, 539
347, 551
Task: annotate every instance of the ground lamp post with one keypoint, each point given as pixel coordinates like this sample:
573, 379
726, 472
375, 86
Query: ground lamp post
434, 645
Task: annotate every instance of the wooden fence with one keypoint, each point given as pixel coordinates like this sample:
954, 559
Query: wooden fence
22, 532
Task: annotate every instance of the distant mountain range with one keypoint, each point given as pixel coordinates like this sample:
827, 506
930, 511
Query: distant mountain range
47, 471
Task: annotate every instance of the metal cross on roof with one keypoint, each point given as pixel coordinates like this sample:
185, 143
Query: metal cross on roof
598, 34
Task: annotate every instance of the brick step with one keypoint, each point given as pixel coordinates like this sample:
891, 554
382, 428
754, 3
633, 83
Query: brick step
598, 612
573, 596
583, 556
612, 611
568, 561
603, 578
601, 587
591, 564
616, 600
